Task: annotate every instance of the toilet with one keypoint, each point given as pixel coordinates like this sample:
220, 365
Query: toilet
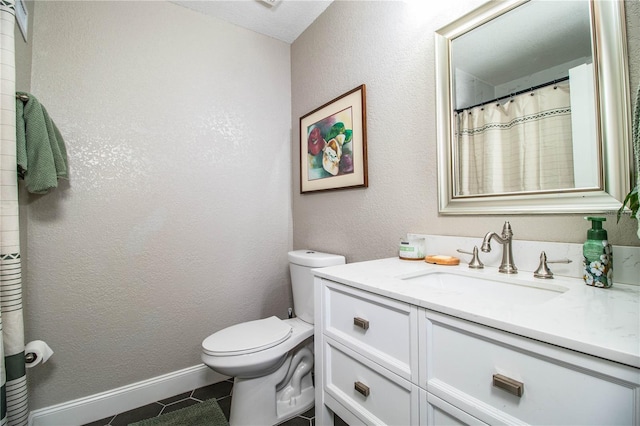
271, 359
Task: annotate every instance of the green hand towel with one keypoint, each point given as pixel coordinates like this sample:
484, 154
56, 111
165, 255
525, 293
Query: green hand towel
40, 150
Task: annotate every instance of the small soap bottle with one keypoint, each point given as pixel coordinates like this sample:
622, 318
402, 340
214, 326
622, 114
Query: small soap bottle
598, 256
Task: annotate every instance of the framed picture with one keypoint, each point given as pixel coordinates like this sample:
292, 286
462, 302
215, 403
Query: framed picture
333, 144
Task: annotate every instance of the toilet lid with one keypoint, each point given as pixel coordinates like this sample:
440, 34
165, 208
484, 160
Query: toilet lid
247, 337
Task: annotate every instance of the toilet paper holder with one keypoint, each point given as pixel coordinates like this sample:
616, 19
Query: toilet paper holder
36, 352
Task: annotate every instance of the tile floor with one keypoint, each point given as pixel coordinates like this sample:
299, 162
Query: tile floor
220, 391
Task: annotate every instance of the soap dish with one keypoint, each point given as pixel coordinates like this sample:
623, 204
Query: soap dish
439, 259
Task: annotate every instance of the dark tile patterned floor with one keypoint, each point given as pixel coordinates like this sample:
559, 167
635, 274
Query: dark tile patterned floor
220, 391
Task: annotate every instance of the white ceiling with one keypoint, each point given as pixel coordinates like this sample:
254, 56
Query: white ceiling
284, 20
536, 36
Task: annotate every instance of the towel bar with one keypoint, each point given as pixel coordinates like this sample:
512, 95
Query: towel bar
23, 98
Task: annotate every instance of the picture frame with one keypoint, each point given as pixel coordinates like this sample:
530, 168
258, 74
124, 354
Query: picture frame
333, 144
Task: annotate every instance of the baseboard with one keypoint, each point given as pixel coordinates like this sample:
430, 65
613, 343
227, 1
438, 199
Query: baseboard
105, 404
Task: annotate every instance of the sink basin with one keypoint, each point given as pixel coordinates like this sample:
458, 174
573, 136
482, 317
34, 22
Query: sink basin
510, 289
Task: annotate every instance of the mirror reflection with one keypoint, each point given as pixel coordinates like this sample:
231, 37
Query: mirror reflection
533, 108
524, 102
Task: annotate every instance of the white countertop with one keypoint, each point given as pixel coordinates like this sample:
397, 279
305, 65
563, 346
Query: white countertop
596, 321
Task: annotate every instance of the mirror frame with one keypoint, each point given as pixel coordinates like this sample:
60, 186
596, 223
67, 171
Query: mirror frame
612, 74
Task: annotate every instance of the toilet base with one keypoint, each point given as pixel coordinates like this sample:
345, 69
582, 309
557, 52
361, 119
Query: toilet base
277, 397
289, 409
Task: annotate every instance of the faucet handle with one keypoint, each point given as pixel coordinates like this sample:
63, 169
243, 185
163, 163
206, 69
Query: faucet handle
543, 270
475, 261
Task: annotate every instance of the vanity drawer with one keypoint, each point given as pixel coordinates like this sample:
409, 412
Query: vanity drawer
435, 411
378, 328
482, 370
373, 394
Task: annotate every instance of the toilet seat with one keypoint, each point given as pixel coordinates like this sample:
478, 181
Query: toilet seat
247, 337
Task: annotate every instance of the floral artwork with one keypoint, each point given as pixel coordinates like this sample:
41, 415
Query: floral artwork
329, 146
333, 144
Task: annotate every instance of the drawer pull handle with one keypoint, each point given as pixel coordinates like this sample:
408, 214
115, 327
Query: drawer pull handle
505, 383
361, 322
362, 388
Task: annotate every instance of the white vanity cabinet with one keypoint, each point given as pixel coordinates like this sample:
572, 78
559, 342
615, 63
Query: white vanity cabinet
367, 354
383, 361
496, 377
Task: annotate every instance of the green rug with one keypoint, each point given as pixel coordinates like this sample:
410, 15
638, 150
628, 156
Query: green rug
204, 413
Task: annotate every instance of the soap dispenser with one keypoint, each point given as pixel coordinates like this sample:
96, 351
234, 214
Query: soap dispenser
598, 256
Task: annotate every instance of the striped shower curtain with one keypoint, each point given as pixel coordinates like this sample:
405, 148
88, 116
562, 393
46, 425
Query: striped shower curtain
13, 391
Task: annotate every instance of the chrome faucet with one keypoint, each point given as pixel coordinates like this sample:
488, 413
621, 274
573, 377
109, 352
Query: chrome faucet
507, 266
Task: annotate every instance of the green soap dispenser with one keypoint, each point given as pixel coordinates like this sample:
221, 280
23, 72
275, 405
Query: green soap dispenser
598, 256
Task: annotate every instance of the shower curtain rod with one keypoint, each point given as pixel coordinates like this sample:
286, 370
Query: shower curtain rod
519, 92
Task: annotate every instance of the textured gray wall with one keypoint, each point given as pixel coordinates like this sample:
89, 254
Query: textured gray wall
389, 46
176, 221
23, 52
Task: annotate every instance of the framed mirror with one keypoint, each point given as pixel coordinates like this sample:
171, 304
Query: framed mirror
533, 109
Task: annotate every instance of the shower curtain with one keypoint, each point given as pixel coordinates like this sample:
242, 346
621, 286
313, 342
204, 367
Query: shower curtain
13, 391
518, 144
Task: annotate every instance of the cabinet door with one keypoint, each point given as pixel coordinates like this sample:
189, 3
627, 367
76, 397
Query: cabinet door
499, 377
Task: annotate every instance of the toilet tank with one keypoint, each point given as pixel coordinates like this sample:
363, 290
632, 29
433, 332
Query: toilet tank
301, 262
